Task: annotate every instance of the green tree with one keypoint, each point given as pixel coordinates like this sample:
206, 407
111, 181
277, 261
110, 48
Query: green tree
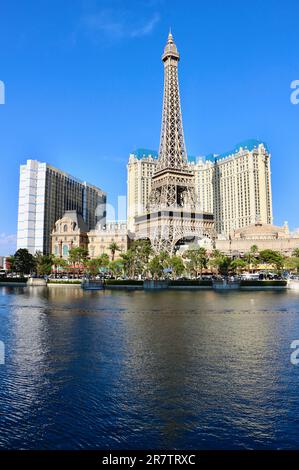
116, 267
92, 266
143, 248
225, 264
272, 257
197, 260
78, 257
135, 260
113, 247
142, 251
238, 265
103, 260
176, 264
128, 260
215, 260
155, 267
43, 263
23, 262
292, 264
10, 262
296, 253
60, 263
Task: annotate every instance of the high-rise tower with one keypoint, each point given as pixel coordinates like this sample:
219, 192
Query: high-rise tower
172, 215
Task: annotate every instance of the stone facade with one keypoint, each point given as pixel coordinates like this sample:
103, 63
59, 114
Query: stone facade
264, 236
70, 232
100, 239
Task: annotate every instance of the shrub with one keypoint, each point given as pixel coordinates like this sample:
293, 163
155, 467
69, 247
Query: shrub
264, 283
191, 283
64, 281
123, 282
13, 279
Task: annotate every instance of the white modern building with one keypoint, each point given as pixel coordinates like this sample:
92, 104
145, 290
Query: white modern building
45, 193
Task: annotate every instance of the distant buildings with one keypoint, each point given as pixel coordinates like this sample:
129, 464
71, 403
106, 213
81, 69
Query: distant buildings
71, 231
45, 193
4, 263
263, 236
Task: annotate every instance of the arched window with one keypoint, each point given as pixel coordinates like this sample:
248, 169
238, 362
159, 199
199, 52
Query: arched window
65, 250
65, 228
56, 251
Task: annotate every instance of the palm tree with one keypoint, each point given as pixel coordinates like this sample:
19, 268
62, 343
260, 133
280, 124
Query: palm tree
113, 247
251, 256
197, 260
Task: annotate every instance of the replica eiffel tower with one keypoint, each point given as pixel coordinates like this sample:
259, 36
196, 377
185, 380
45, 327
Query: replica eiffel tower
172, 215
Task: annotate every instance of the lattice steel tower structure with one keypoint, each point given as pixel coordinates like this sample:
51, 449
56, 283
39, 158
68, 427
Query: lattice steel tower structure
172, 213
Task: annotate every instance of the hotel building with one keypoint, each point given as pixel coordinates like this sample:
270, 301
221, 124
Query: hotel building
140, 170
263, 236
103, 236
236, 187
72, 232
45, 193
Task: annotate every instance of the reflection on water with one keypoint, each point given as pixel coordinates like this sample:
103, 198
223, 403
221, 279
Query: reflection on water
148, 370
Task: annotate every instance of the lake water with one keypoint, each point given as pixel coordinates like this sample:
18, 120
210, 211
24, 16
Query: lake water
129, 370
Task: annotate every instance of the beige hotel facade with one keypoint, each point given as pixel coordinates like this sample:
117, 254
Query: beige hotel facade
235, 187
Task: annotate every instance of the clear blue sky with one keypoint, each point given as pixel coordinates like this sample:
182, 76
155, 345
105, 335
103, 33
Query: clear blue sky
84, 87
